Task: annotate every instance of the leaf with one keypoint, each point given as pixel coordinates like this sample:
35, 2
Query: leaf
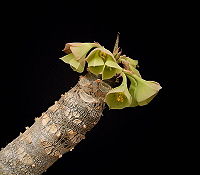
119, 97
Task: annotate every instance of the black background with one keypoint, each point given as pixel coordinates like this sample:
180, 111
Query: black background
141, 139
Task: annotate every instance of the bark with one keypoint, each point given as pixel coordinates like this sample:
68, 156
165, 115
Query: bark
57, 131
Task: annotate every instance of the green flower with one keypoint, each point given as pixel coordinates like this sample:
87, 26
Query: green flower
76, 54
119, 97
102, 61
111, 68
79, 50
96, 60
142, 91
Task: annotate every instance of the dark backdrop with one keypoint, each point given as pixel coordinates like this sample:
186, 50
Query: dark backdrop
140, 139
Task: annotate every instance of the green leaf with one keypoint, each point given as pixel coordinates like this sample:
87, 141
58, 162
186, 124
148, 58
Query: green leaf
79, 50
119, 97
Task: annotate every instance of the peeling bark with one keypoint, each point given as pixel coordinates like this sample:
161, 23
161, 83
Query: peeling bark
57, 131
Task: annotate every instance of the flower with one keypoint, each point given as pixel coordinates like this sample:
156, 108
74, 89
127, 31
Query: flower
79, 50
119, 97
76, 54
96, 60
142, 91
102, 61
